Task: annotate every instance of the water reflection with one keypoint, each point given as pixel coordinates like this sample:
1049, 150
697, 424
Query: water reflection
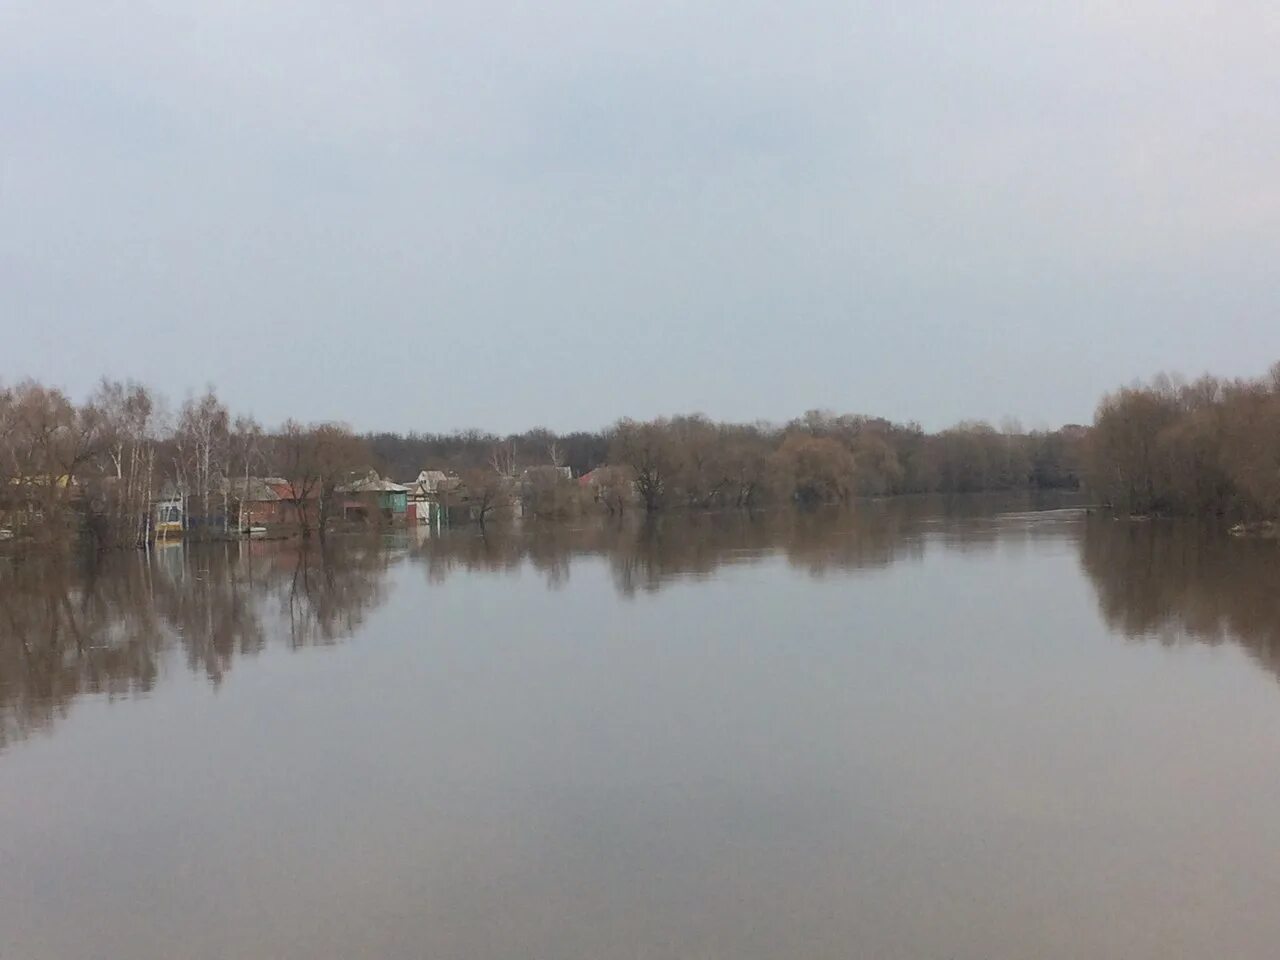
106, 626
643, 557
64, 632
1185, 582
906, 731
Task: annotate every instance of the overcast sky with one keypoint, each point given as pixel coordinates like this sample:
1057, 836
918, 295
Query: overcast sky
431, 215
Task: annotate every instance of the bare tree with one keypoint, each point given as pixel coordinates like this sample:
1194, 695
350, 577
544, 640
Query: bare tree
314, 461
294, 459
486, 492
549, 495
247, 453
49, 448
1127, 468
127, 475
502, 457
821, 469
202, 442
614, 489
647, 449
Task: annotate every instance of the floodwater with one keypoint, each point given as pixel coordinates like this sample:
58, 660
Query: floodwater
963, 731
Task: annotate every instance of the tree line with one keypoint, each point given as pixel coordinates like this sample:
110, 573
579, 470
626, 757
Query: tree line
1209, 447
1205, 447
97, 467
693, 462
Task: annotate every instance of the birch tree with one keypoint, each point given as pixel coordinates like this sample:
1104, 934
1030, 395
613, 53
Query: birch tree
202, 446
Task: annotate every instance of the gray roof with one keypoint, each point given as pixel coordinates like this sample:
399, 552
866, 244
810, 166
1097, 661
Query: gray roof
429, 481
256, 489
373, 486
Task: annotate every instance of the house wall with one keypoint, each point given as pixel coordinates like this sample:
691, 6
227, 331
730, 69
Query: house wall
267, 513
397, 503
167, 517
418, 511
375, 504
288, 512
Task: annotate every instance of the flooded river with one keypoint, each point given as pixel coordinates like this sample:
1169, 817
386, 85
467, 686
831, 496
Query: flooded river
940, 731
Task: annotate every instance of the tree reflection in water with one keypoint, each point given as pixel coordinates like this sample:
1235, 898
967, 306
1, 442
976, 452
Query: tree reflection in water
108, 626
644, 555
1181, 581
104, 625
65, 631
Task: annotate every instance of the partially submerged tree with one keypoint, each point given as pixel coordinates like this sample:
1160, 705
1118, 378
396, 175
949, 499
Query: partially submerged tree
820, 469
648, 451
122, 489
202, 440
548, 494
49, 449
313, 461
485, 493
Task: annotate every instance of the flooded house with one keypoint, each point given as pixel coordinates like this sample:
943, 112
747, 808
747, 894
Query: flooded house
169, 512
423, 505
372, 498
255, 502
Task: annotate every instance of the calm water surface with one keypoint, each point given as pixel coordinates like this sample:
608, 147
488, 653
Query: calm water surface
963, 732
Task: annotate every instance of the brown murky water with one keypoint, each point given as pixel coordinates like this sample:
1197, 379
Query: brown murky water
960, 732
